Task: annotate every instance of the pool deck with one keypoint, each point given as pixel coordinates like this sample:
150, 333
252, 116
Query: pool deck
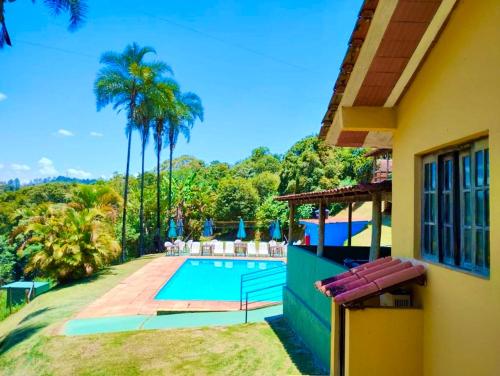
135, 294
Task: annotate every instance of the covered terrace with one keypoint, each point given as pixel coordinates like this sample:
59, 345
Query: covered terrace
375, 192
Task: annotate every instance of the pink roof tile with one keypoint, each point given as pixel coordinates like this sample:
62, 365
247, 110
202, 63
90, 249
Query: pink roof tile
370, 279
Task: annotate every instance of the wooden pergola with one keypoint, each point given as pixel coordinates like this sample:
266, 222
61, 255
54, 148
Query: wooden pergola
374, 192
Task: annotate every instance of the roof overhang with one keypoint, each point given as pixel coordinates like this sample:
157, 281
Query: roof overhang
387, 46
356, 193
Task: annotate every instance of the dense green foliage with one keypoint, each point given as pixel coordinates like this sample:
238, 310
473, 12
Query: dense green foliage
58, 231
66, 231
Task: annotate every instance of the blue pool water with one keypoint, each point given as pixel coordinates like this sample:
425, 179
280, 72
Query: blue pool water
211, 279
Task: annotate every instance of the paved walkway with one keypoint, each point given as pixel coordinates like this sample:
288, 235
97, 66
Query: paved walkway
171, 321
135, 295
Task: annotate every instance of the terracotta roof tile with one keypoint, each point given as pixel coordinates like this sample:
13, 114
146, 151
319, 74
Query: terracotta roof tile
370, 279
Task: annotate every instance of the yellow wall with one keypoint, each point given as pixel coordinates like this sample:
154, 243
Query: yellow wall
454, 97
382, 342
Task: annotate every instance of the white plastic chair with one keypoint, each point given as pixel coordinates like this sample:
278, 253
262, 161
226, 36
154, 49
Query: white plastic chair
229, 251
251, 250
169, 247
284, 248
263, 249
219, 248
195, 248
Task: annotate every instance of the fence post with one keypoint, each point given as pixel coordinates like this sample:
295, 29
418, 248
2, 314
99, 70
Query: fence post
246, 308
241, 292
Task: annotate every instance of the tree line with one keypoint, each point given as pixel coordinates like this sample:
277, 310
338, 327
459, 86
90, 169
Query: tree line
65, 231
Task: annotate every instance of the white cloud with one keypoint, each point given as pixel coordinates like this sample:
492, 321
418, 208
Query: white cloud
65, 133
46, 167
1, 166
2, 96
20, 167
79, 174
96, 134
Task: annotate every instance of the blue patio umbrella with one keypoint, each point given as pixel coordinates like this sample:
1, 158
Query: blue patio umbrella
241, 230
208, 229
277, 230
271, 228
180, 227
172, 230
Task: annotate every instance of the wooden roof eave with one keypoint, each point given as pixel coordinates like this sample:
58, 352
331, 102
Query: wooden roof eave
360, 193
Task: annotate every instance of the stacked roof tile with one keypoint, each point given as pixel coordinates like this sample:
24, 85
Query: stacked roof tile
369, 279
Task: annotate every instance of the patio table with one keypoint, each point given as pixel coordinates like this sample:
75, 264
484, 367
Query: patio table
170, 249
242, 247
208, 247
275, 250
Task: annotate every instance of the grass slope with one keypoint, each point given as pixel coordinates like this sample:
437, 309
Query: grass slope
29, 345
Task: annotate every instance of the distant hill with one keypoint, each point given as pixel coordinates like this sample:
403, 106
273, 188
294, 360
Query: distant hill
60, 179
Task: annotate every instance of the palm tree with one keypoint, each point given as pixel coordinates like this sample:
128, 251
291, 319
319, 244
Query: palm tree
180, 120
163, 99
143, 122
121, 82
77, 10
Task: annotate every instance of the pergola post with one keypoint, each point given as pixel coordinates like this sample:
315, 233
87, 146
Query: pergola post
321, 229
376, 226
291, 221
349, 225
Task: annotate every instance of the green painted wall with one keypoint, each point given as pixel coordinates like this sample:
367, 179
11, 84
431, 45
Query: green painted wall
307, 310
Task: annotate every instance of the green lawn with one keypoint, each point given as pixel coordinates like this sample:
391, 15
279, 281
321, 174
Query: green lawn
30, 345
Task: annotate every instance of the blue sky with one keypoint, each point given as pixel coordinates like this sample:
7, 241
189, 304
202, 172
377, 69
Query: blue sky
264, 70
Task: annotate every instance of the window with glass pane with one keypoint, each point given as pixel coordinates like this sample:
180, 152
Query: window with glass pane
429, 228
466, 211
481, 212
455, 207
446, 199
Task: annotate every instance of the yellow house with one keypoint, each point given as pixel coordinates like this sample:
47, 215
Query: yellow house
423, 78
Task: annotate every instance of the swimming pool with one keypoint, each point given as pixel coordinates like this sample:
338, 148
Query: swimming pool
215, 279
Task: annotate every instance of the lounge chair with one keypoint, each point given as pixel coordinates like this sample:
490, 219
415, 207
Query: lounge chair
219, 248
229, 251
188, 245
263, 249
251, 250
195, 249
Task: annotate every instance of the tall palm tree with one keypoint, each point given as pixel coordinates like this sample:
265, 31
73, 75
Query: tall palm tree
77, 10
163, 99
187, 108
120, 82
143, 122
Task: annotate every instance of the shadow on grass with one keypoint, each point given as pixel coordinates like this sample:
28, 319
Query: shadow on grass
35, 314
18, 335
301, 357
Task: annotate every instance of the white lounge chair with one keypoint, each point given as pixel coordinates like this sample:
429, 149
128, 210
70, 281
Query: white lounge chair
229, 251
251, 250
195, 249
218, 248
263, 249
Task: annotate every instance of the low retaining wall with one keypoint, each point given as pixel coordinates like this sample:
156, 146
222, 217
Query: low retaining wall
307, 311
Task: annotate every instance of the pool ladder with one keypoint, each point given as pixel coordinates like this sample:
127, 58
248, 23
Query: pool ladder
262, 286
